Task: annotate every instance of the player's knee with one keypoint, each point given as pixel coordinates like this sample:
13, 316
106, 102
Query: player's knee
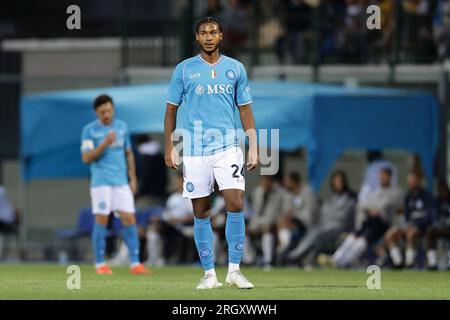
128, 219
101, 219
235, 205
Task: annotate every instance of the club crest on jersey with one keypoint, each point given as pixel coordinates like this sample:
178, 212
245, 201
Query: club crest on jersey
213, 74
189, 186
230, 74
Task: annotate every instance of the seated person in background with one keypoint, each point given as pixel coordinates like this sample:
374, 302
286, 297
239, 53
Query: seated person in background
371, 179
269, 200
152, 174
303, 216
171, 231
9, 217
374, 216
441, 228
419, 214
337, 216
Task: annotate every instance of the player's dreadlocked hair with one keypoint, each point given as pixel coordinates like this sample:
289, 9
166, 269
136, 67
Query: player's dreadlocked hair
208, 20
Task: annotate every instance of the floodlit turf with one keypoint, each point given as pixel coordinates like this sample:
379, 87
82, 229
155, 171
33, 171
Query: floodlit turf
49, 282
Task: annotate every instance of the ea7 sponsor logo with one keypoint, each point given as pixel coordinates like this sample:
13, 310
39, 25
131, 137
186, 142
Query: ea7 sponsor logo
194, 75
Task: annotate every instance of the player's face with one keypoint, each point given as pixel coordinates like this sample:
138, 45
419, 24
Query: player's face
105, 113
413, 181
209, 37
385, 178
338, 183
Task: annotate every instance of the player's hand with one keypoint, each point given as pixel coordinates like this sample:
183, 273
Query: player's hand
171, 158
133, 185
110, 138
252, 159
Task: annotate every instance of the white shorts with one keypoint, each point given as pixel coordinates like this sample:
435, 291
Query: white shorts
112, 198
226, 168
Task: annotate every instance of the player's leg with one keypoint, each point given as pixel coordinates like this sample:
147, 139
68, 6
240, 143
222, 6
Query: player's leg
338, 257
198, 185
204, 242
284, 234
392, 238
432, 236
228, 168
235, 227
445, 233
101, 207
412, 234
123, 203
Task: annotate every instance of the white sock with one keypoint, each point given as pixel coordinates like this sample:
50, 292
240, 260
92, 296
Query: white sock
410, 256
343, 248
135, 264
432, 258
396, 255
101, 264
267, 243
154, 247
210, 272
232, 267
284, 236
355, 251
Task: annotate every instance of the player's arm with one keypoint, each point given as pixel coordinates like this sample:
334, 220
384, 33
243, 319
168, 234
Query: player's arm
170, 123
248, 123
91, 154
131, 165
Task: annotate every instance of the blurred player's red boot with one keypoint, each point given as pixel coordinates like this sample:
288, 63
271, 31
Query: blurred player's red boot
140, 269
103, 269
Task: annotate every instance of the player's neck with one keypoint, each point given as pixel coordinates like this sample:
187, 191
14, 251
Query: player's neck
212, 57
105, 124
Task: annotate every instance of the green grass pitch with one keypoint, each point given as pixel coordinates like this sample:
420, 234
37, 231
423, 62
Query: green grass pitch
39, 281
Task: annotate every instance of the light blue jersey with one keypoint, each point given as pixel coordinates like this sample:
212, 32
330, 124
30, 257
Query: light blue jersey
110, 169
209, 95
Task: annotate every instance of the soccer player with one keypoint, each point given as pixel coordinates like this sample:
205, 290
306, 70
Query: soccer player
105, 145
211, 87
419, 217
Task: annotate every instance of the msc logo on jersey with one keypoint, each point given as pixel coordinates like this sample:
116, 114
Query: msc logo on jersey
214, 89
220, 88
230, 74
189, 186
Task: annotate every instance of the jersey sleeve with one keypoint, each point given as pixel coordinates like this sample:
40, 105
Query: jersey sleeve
243, 95
176, 87
87, 143
127, 138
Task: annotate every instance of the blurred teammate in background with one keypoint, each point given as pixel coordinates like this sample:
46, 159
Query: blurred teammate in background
106, 147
